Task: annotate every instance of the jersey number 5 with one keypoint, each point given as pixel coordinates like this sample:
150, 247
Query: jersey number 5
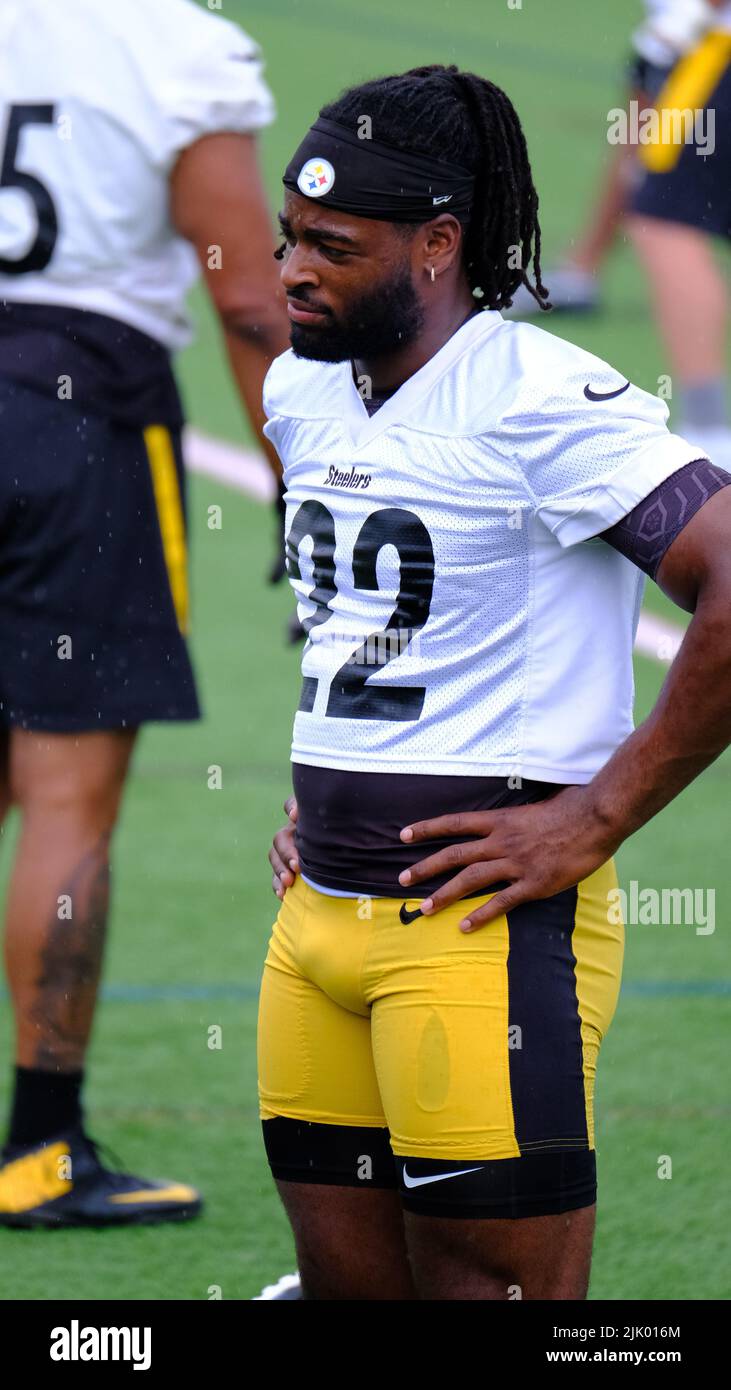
39, 254
350, 696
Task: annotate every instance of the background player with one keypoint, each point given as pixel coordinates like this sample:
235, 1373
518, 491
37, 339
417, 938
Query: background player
128, 162
681, 207
492, 483
670, 28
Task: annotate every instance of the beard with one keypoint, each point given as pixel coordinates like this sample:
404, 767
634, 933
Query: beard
385, 319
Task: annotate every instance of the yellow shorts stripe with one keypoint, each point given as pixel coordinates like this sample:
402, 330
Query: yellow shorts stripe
598, 942
687, 90
169, 503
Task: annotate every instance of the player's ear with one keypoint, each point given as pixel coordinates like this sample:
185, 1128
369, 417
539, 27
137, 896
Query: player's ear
442, 241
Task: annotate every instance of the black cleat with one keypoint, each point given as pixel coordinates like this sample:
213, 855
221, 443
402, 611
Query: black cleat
63, 1182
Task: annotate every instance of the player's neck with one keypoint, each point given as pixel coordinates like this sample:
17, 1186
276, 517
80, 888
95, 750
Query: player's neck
390, 371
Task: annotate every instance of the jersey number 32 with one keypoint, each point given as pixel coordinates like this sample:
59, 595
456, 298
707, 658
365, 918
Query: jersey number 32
350, 696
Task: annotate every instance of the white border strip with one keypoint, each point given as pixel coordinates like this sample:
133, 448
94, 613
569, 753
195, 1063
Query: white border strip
249, 472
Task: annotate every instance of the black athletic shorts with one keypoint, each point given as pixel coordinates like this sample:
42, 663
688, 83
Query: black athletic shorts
93, 581
679, 182
645, 78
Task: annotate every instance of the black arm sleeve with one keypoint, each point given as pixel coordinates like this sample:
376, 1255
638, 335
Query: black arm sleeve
648, 531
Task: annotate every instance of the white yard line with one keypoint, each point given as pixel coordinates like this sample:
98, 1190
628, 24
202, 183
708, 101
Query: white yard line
247, 471
658, 638
227, 463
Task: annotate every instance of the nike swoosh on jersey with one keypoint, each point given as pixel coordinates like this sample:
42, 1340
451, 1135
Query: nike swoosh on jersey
438, 1177
405, 916
604, 395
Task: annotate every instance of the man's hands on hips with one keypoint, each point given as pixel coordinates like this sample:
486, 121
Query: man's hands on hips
541, 849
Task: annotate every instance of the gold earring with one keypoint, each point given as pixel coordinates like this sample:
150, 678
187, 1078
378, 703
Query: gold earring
433, 276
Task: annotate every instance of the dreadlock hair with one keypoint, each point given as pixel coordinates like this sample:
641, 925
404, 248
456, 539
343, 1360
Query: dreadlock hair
454, 115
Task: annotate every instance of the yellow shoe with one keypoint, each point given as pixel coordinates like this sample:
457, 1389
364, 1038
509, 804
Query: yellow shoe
62, 1182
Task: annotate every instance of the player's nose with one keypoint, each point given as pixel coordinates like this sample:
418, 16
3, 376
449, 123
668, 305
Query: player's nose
298, 270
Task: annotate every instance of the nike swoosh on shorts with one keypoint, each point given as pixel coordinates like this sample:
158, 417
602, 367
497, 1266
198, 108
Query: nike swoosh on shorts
438, 1177
405, 916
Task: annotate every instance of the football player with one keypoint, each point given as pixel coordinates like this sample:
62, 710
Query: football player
472, 508
127, 163
670, 28
680, 211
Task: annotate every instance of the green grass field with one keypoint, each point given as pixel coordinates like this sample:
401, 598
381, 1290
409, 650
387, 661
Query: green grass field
192, 901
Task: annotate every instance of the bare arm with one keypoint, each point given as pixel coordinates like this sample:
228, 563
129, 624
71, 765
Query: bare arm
219, 205
542, 849
691, 723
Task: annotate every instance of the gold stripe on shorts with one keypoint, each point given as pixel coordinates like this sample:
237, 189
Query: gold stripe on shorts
598, 945
169, 503
687, 90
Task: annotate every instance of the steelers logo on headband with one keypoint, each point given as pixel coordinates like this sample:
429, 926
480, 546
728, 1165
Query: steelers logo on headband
316, 178
374, 179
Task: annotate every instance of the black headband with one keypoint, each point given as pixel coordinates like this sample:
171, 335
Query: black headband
369, 179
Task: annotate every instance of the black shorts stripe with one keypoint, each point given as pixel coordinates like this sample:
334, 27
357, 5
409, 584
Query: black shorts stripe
545, 1055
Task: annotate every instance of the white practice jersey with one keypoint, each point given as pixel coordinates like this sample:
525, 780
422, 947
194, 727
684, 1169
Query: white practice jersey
97, 100
459, 520
672, 28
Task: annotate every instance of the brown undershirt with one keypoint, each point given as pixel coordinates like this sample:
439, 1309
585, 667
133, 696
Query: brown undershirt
348, 823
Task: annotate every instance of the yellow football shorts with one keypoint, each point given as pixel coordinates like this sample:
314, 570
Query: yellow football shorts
459, 1068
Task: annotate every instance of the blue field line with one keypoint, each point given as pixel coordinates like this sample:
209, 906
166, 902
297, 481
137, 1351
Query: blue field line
247, 990
669, 989
152, 994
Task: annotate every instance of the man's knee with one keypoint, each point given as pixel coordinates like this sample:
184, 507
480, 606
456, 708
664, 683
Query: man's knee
67, 775
350, 1243
545, 1257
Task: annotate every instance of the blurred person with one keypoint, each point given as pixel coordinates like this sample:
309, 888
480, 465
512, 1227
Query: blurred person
670, 29
128, 162
472, 508
681, 207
